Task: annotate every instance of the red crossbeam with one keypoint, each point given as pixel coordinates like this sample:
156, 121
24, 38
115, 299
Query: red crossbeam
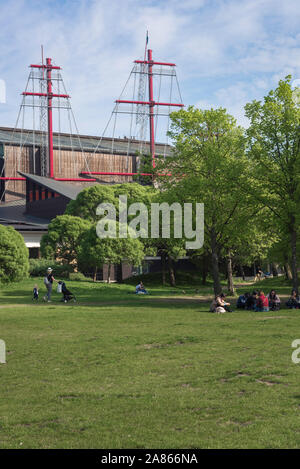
104, 173
151, 62
12, 179
53, 95
46, 66
76, 179
147, 103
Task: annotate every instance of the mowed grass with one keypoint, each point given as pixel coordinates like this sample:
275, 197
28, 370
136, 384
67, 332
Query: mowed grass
118, 370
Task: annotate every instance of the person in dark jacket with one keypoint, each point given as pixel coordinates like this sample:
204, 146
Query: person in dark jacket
251, 301
242, 300
48, 281
294, 301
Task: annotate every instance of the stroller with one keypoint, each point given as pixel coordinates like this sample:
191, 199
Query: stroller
67, 294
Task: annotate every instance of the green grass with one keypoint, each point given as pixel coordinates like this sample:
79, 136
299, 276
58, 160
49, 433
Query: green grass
118, 370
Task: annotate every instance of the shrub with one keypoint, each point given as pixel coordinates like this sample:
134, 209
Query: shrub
38, 268
79, 276
14, 254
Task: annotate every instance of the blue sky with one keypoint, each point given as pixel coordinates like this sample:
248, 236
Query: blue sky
227, 52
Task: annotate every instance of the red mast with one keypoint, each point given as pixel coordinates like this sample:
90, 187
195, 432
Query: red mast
50, 126
151, 107
48, 67
150, 103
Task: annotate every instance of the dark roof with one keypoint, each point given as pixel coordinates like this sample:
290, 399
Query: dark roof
66, 189
13, 214
86, 142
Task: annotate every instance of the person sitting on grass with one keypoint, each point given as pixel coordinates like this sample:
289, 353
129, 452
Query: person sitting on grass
221, 303
251, 301
262, 303
140, 288
274, 301
242, 299
294, 300
215, 306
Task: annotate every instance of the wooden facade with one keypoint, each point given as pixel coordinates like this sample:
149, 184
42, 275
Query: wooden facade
67, 164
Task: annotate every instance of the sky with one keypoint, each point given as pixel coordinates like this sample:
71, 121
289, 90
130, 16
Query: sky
227, 52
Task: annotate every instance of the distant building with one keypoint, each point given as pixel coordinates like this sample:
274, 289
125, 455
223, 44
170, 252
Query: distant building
29, 205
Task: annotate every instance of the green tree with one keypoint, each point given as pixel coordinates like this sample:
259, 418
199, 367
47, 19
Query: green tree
95, 251
206, 167
87, 201
274, 147
63, 238
14, 264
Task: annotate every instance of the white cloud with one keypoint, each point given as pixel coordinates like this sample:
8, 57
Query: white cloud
238, 48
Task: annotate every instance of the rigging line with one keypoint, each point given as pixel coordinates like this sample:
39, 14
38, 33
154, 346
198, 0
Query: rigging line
126, 83
143, 127
178, 88
113, 139
100, 140
33, 134
159, 90
72, 151
70, 123
168, 122
131, 119
79, 140
14, 166
6, 157
59, 124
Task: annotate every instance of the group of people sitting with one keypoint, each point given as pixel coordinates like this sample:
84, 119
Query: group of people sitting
257, 301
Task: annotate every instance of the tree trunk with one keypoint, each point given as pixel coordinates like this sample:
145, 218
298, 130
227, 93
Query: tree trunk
294, 266
171, 272
108, 273
163, 267
242, 272
288, 272
95, 274
230, 285
275, 269
215, 264
204, 269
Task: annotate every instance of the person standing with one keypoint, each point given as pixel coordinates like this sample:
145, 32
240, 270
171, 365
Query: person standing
48, 281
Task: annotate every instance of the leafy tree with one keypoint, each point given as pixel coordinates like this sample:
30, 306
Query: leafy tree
206, 167
14, 264
87, 201
95, 251
63, 238
274, 147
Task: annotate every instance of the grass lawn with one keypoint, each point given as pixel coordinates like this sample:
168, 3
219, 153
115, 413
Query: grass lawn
118, 370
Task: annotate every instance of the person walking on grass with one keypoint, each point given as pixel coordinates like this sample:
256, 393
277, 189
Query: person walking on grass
48, 281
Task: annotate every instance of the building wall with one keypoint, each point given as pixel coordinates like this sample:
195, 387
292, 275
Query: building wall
48, 208
67, 164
